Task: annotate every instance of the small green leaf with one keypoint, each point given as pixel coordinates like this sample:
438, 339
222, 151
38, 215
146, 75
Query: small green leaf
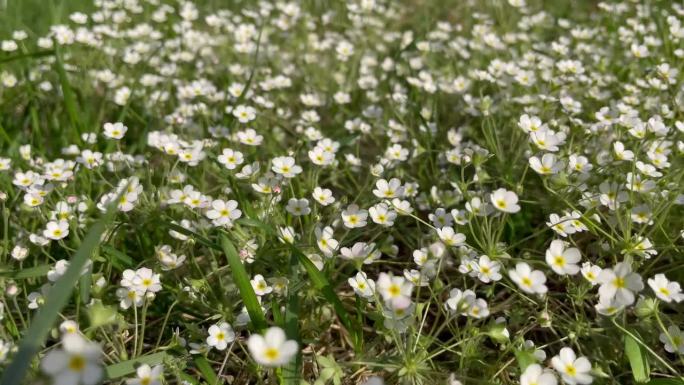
637, 359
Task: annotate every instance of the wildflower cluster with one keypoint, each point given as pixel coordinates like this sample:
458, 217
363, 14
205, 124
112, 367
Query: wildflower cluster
358, 192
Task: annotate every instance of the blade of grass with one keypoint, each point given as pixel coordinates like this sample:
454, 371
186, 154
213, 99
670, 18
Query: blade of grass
207, 372
125, 368
321, 283
31, 272
28, 55
56, 299
637, 360
291, 371
249, 298
67, 91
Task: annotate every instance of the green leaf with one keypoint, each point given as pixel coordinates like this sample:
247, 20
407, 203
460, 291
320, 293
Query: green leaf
56, 299
637, 359
207, 372
127, 367
242, 281
321, 283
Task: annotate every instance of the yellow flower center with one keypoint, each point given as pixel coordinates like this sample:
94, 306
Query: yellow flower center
271, 353
77, 363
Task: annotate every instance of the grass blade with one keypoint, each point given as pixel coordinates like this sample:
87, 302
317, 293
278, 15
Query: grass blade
207, 372
321, 283
67, 91
249, 298
125, 368
31, 272
637, 360
291, 371
56, 299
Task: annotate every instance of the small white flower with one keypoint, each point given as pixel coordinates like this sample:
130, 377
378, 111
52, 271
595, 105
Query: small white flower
395, 290
298, 207
666, 290
56, 230
220, 335
362, 285
147, 375
673, 340
620, 283
77, 361
354, 217
504, 200
487, 270
323, 196
563, 261
573, 370
450, 237
535, 375
529, 281
115, 130
260, 285
285, 166
230, 159
273, 348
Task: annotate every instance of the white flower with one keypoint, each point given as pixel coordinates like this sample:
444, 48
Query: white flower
590, 272
362, 286
666, 290
146, 281
531, 124
298, 207
487, 270
223, 213
382, 215
673, 340
395, 290
115, 130
220, 335
273, 349
535, 375
388, 190
323, 196
354, 217
573, 370
285, 166
244, 114
76, 362
56, 230
260, 286
563, 261
230, 159
620, 283
147, 375
547, 165
450, 237
325, 241
529, 281
504, 200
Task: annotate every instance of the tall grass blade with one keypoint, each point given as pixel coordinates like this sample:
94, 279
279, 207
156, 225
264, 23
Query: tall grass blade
249, 298
56, 299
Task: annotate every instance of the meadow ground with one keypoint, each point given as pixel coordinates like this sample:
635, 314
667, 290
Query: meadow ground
341, 192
